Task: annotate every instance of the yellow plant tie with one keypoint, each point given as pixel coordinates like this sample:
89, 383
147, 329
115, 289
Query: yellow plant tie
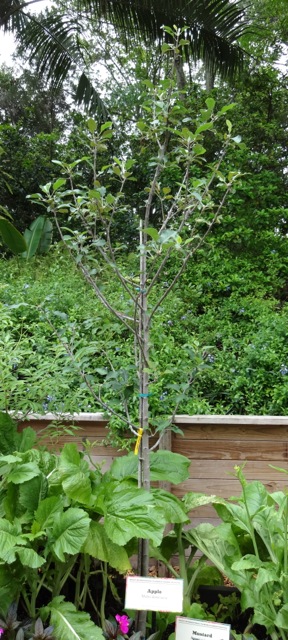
138, 441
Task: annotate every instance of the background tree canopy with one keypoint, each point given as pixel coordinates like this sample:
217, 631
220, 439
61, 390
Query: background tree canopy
232, 300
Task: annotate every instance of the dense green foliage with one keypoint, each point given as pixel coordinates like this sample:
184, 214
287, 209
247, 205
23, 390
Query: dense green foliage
226, 319
222, 303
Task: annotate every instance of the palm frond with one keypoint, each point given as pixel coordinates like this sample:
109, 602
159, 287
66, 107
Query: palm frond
149, 16
52, 40
11, 16
54, 43
212, 28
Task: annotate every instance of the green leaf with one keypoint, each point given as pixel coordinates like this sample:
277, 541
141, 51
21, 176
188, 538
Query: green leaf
220, 545
210, 102
167, 549
204, 127
29, 558
256, 496
9, 459
45, 514
59, 183
227, 107
247, 562
198, 150
229, 125
12, 237
70, 530
153, 233
106, 125
281, 619
131, 512
74, 474
193, 500
69, 623
170, 506
266, 574
38, 234
32, 492
69, 456
7, 213
8, 433
99, 546
26, 439
23, 472
77, 486
165, 47
10, 538
9, 587
92, 125
164, 466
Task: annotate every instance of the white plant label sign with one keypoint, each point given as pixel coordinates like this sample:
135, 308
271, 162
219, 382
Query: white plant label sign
189, 629
154, 594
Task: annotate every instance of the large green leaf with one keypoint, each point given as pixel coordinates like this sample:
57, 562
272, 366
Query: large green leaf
10, 538
70, 530
248, 561
32, 492
70, 456
269, 525
12, 237
32, 237
193, 500
78, 487
221, 546
164, 466
29, 558
167, 548
11, 508
74, 474
131, 512
10, 586
99, 546
23, 472
46, 237
38, 237
70, 624
26, 439
267, 573
265, 615
45, 514
8, 433
255, 497
281, 620
170, 506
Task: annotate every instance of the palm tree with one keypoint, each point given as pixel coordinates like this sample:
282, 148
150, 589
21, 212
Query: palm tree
54, 40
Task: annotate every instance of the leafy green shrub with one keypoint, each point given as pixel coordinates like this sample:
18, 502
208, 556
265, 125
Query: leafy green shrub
62, 524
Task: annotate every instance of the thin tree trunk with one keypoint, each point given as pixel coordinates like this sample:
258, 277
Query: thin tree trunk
144, 466
209, 79
180, 75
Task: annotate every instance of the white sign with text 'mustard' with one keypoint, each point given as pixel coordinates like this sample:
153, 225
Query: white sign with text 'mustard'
154, 594
189, 629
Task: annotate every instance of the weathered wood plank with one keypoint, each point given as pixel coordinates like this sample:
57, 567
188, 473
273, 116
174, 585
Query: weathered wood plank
223, 488
253, 469
88, 430
231, 432
232, 449
202, 513
230, 419
98, 450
